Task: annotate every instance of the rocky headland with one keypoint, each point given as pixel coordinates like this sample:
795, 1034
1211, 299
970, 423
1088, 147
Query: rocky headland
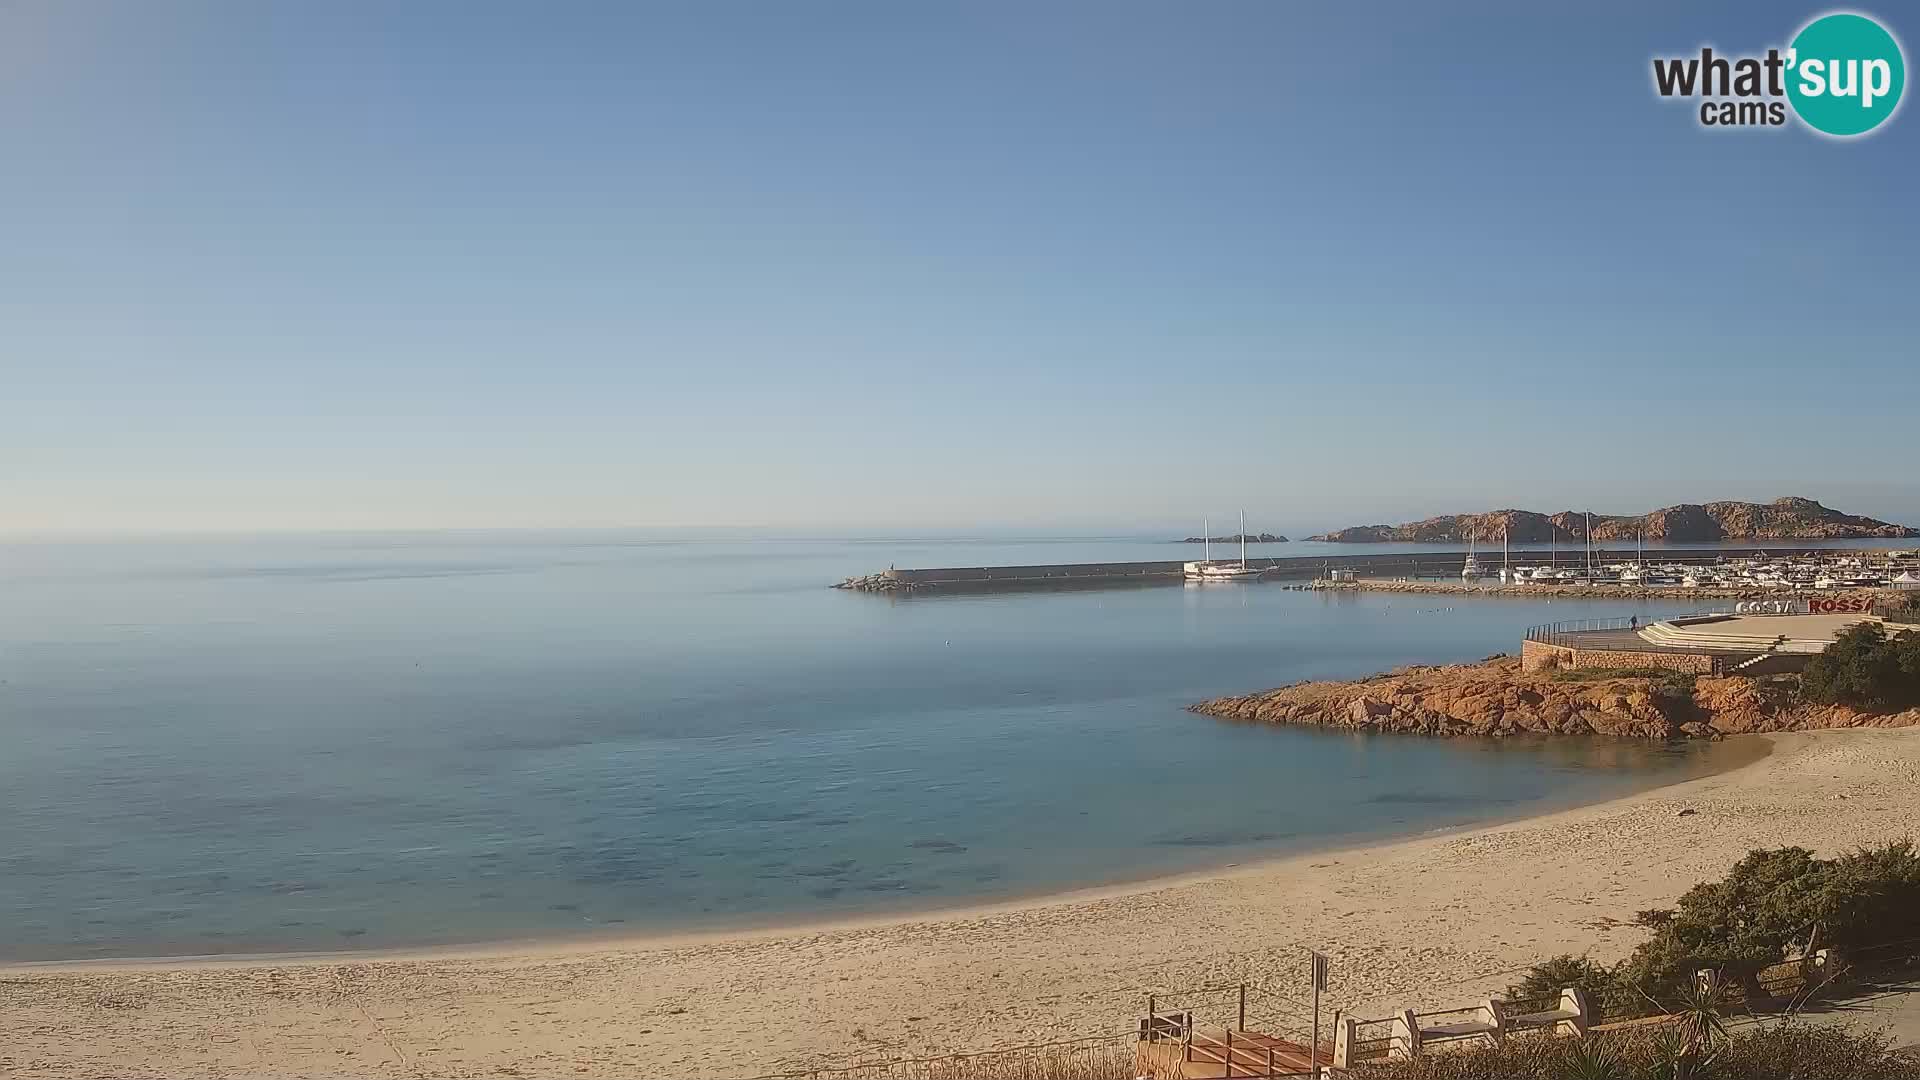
1495, 698
1790, 518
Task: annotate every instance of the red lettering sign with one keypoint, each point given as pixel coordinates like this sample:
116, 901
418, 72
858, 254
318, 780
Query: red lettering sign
1839, 605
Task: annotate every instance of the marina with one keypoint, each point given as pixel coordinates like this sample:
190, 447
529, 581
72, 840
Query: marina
1759, 569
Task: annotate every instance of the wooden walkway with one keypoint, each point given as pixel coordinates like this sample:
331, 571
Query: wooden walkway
1220, 1054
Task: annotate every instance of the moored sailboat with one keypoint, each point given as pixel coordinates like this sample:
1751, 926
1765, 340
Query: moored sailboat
1206, 570
1472, 569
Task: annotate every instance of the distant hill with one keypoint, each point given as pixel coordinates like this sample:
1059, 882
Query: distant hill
1263, 538
1782, 519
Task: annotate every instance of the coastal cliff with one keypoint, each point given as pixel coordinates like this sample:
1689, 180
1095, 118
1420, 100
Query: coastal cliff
1790, 518
1495, 698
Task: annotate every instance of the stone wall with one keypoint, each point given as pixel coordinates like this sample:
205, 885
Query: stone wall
1539, 656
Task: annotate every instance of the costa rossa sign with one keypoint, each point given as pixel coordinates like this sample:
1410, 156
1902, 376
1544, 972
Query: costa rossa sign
1812, 605
1770, 607
1839, 605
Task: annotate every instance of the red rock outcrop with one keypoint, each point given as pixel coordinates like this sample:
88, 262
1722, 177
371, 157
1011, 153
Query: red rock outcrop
1495, 698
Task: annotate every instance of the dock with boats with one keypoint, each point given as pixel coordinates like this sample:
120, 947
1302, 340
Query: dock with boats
1749, 570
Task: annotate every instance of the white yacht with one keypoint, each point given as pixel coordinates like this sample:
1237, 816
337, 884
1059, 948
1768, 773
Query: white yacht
1206, 570
1635, 572
1472, 569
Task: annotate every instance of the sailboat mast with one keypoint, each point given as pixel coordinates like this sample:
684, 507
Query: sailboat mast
1206, 539
1243, 539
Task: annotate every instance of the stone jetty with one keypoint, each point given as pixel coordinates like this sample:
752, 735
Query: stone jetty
881, 582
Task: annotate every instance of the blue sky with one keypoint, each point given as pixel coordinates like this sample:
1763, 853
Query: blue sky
852, 265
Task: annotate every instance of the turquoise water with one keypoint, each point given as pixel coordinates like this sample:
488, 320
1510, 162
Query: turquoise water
299, 743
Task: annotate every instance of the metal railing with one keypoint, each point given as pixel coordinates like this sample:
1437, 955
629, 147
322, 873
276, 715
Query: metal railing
1558, 633
1250, 1029
1904, 609
1252, 1057
1374, 1040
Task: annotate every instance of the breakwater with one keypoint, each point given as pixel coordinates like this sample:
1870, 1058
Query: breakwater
955, 579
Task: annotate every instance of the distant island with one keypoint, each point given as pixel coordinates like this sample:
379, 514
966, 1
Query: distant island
1262, 538
1790, 518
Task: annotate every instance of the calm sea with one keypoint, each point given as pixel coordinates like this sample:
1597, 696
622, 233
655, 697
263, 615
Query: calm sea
297, 743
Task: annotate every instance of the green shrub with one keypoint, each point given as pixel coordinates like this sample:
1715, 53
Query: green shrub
1792, 1052
1774, 904
1867, 669
1770, 906
1603, 988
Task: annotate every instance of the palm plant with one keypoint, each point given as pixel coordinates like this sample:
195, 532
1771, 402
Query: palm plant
1594, 1059
1699, 1014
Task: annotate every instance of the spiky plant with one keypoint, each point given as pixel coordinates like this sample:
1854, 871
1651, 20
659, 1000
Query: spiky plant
1594, 1059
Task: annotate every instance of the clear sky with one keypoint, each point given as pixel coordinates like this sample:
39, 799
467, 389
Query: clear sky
882, 265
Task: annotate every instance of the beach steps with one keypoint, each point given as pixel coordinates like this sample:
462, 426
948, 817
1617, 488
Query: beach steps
1800, 634
1222, 1053
1769, 664
1705, 634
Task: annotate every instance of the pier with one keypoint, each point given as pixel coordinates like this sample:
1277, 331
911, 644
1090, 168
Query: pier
973, 579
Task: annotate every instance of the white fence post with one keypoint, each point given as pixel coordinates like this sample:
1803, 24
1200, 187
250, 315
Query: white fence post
1406, 1035
1345, 1034
1574, 1000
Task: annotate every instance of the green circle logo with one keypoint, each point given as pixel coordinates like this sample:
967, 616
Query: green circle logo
1845, 74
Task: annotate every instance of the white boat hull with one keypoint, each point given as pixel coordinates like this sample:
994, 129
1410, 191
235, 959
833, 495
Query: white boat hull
1204, 573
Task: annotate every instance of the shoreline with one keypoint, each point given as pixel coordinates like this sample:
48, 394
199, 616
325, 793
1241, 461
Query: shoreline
1430, 921
1760, 744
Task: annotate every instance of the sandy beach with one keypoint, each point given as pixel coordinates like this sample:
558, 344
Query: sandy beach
1433, 920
